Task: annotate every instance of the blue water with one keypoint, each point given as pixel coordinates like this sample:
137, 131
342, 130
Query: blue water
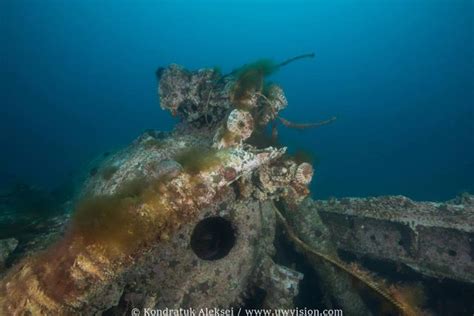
77, 79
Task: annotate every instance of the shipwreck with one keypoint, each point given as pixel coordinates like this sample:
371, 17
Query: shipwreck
191, 218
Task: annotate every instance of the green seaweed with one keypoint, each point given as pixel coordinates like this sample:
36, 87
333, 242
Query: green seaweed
267, 89
133, 188
197, 159
250, 78
109, 220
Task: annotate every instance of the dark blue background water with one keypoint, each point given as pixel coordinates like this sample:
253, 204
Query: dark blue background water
77, 79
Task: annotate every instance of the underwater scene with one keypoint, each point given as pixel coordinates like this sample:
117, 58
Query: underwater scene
237, 158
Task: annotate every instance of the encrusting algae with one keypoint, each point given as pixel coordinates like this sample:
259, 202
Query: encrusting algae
108, 233
219, 154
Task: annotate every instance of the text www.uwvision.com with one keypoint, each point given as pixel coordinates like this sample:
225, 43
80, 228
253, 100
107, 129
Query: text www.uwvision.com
293, 312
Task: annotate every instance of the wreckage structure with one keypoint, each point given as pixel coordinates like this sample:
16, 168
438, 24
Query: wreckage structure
190, 218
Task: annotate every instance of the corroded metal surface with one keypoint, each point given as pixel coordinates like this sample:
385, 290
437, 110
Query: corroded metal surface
433, 238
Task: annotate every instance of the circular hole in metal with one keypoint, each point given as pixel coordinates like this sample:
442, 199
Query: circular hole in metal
213, 238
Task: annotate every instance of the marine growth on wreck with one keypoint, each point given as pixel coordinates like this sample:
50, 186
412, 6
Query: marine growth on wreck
190, 218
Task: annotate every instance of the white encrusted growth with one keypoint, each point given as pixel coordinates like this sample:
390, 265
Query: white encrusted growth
238, 127
240, 123
304, 173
